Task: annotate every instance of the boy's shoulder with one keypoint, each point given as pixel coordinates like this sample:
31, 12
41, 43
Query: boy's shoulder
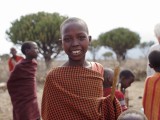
119, 94
154, 47
97, 67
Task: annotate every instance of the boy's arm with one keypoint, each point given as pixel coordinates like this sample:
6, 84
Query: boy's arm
145, 93
10, 66
121, 98
127, 98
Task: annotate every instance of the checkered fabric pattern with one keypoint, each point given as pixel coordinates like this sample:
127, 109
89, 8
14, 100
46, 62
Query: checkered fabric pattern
112, 109
74, 93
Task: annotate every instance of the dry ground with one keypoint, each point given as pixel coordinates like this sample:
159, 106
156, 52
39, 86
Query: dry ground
135, 91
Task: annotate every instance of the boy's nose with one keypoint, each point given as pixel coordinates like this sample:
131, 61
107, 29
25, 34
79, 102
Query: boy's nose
37, 51
75, 42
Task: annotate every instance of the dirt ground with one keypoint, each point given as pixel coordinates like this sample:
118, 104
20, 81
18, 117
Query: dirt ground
135, 102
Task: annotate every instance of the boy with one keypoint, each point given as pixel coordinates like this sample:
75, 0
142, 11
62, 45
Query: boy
14, 59
151, 98
22, 85
74, 91
107, 87
132, 114
156, 46
126, 78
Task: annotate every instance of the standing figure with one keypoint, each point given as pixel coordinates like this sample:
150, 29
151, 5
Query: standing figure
107, 87
150, 71
126, 78
151, 97
14, 59
74, 91
22, 85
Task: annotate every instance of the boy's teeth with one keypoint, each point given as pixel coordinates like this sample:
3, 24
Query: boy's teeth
76, 52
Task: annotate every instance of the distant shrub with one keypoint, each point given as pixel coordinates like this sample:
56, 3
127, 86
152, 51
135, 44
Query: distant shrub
137, 66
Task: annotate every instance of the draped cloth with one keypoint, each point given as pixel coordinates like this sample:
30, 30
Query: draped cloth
12, 62
75, 93
118, 94
22, 90
151, 98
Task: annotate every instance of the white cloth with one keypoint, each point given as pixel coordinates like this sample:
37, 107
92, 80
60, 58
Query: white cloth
149, 70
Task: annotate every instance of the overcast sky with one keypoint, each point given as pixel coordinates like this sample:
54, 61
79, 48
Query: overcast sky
100, 15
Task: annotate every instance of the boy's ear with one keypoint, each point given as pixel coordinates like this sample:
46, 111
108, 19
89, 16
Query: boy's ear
26, 51
90, 38
60, 42
150, 66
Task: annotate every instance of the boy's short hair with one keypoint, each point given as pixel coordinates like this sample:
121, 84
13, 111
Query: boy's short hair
126, 74
108, 71
132, 114
26, 45
154, 59
12, 48
157, 30
108, 77
74, 19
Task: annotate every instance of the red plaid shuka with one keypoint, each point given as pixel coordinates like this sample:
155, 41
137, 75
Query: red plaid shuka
22, 89
75, 93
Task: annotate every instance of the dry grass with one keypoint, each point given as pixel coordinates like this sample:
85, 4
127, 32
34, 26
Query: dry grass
135, 91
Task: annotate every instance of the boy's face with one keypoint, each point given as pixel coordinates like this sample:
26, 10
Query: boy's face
13, 51
126, 82
75, 40
33, 51
108, 78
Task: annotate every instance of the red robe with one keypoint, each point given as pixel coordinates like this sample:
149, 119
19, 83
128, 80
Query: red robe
75, 93
22, 90
12, 62
119, 95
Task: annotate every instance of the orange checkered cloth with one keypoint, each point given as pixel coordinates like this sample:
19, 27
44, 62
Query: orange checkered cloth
75, 93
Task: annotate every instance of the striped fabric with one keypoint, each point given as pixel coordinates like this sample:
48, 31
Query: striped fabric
151, 98
75, 93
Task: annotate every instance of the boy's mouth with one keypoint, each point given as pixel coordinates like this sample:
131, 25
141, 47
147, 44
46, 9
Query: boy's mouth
76, 52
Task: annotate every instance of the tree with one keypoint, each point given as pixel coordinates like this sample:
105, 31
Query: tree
93, 48
144, 46
4, 57
119, 40
42, 28
108, 55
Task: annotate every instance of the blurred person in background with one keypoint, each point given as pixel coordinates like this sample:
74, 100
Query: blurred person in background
126, 78
132, 114
22, 86
156, 46
13, 59
151, 95
107, 87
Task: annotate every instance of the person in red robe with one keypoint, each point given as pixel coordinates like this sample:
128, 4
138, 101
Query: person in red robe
74, 91
107, 87
22, 85
14, 59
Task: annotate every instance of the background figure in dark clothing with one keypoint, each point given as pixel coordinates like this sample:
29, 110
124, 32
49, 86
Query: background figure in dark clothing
22, 85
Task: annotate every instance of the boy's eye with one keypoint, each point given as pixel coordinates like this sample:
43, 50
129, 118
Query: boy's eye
82, 37
67, 39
